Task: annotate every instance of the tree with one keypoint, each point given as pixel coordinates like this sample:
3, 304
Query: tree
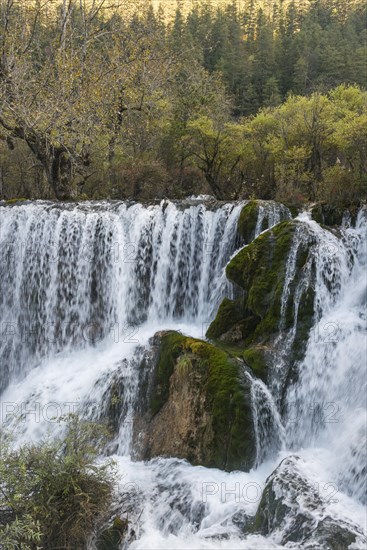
348, 133
259, 173
217, 151
264, 69
96, 96
46, 99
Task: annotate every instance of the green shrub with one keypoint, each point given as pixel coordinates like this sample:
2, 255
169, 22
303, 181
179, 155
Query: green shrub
53, 494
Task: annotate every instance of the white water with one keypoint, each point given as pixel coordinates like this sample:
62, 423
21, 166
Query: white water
270, 213
331, 392
111, 276
70, 276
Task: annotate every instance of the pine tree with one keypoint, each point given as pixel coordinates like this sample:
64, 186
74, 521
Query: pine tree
265, 67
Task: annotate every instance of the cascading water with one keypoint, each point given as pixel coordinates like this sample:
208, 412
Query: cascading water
296, 284
72, 275
269, 214
82, 290
328, 402
269, 430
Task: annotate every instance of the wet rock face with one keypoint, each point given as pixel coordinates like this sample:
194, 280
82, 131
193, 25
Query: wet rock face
260, 270
197, 406
275, 276
124, 523
332, 216
259, 215
292, 510
334, 535
281, 506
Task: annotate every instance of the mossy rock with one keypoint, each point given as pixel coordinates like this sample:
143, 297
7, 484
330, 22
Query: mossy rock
15, 201
252, 323
259, 269
228, 315
229, 328
199, 406
170, 349
257, 358
247, 221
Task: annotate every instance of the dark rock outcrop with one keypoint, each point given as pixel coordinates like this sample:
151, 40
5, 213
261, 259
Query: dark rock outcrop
124, 523
112, 537
332, 216
293, 510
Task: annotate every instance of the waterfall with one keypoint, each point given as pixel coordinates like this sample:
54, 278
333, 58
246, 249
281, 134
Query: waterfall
83, 288
270, 213
72, 275
269, 429
327, 406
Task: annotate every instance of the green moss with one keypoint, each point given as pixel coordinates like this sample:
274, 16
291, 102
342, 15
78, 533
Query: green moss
248, 220
230, 330
260, 270
255, 357
225, 391
15, 200
226, 317
170, 349
183, 366
228, 399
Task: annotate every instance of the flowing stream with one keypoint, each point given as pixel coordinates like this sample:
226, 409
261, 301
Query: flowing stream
84, 287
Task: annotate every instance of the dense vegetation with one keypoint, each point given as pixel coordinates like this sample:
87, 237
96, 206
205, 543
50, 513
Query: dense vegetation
52, 494
115, 99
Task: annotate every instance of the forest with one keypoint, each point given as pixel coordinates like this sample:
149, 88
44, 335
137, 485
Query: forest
117, 100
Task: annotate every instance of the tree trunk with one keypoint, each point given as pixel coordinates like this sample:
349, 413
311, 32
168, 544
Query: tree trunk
56, 161
216, 188
61, 172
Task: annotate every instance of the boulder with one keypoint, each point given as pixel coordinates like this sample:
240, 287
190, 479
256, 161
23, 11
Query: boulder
195, 404
331, 534
293, 511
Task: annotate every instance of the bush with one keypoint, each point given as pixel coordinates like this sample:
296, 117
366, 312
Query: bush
53, 495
